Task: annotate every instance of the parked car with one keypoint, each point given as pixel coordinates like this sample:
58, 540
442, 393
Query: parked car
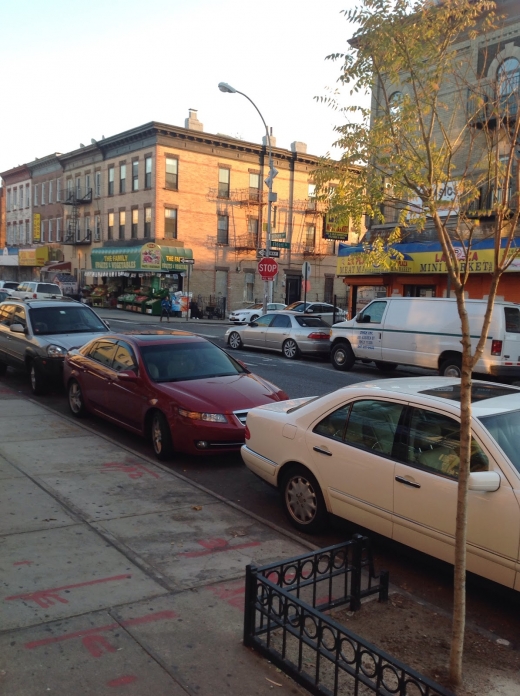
292, 334
180, 390
323, 309
37, 291
385, 456
4, 295
36, 334
9, 285
243, 316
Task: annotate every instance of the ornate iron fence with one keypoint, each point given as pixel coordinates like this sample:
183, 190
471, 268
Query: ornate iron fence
284, 621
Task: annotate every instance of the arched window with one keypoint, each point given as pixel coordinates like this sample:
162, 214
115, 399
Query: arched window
508, 77
395, 103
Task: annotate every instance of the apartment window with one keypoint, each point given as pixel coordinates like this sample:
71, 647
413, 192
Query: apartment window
69, 189
8, 206
222, 229
35, 195
97, 179
135, 176
254, 186
51, 191
9, 234
43, 196
508, 77
78, 187
122, 223
51, 231
15, 198
122, 178
135, 223
223, 182
310, 236
15, 233
172, 173
87, 227
252, 231
97, 232
170, 223
58, 190
21, 196
28, 238
110, 231
27, 195
111, 181
148, 221
148, 172
87, 184
43, 230
58, 229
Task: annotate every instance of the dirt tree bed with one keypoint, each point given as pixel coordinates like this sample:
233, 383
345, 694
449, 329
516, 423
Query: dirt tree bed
419, 636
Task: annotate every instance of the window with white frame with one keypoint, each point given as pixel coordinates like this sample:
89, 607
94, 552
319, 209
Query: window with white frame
51, 193
78, 187
51, 231
35, 195
69, 189
135, 223
97, 178
172, 173
222, 229
44, 199
58, 190
9, 234
310, 236
97, 228
148, 172
21, 197
135, 175
87, 184
170, 223
122, 224
8, 202
15, 198
58, 229
43, 231
223, 182
28, 235
86, 228
110, 230
21, 232
15, 233
148, 221
27, 195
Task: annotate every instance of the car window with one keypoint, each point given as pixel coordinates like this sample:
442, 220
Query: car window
3, 296
124, 359
372, 425
22, 287
434, 444
265, 320
19, 316
504, 428
333, 425
74, 318
311, 322
373, 313
6, 313
49, 288
174, 362
103, 352
281, 321
512, 319
296, 307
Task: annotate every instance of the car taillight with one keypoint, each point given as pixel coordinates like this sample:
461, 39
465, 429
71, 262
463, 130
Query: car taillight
247, 434
318, 336
496, 347
35, 296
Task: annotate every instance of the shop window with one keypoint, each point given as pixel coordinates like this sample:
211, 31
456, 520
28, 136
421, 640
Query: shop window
223, 182
111, 181
148, 172
135, 223
223, 229
135, 175
172, 173
170, 223
110, 230
148, 221
122, 178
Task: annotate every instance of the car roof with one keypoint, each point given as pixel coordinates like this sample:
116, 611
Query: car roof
145, 338
46, 303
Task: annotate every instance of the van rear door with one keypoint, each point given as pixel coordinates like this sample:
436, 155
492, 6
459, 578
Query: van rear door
511, 345
367, 333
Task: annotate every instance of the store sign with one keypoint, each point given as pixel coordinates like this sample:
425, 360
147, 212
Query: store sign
37, 226
150, 258
335, 230
33, 257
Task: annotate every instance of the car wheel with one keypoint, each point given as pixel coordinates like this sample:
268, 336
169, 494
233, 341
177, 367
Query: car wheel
290, 349
234, 340
3, 369
303, 500
254, 317
385, 366
342, 356
39, 384
161, 437
76, 403
451, 367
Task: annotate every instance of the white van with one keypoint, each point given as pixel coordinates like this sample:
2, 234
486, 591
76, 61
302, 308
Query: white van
426, 332
34, 290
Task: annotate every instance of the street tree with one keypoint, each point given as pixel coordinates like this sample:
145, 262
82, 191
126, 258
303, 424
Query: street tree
440, 149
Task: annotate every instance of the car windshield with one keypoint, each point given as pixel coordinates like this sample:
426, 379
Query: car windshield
64, 320
504, 428
49, 288
175, 362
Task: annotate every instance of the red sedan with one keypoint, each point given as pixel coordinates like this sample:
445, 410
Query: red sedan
179, 389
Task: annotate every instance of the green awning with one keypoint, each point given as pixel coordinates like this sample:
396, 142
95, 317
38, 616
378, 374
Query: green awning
149, 258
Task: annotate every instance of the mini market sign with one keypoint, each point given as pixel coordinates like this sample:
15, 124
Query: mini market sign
150, 258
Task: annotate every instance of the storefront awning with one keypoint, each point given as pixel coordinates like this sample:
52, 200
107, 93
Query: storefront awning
149, 258
59, 266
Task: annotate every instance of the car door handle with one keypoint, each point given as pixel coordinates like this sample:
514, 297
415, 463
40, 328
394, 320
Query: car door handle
322, 450
407, 482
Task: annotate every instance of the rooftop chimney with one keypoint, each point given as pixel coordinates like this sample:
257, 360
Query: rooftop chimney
273, 139
192, 122
297, 146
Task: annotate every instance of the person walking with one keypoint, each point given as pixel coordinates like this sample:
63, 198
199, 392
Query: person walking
166, 308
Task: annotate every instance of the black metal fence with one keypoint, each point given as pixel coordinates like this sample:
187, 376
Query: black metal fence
284, 621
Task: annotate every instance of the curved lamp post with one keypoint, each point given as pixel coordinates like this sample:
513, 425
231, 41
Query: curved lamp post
268, 284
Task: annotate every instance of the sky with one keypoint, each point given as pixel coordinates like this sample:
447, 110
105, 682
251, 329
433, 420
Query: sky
75, 71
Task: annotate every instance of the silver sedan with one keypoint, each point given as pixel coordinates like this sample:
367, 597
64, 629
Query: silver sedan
292, 334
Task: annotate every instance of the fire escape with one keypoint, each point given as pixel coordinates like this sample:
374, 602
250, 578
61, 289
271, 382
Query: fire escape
75, 197
248, 200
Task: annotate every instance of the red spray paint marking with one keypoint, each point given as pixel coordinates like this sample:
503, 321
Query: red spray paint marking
216, 546
231, 593
134, 471
122, 681
91, 638
23, 563
48, 598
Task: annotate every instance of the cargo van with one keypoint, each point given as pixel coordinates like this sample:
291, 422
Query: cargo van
426, 332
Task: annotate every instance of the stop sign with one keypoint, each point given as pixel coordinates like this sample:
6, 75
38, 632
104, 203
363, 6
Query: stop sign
267, 268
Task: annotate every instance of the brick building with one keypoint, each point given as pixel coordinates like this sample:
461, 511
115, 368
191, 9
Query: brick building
182, 189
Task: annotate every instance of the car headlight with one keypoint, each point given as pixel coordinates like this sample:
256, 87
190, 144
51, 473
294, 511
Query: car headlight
54, 351
210, 417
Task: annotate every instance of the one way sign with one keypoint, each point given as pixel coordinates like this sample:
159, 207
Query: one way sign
273, 253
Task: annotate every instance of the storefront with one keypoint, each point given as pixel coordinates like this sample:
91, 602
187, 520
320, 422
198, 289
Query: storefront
135, 278
419, 270
31, 261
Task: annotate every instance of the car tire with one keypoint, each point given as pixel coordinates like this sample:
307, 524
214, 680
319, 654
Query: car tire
161, 437
39, 385
234, 341
303, 500
385, 366
342, 357
290, 349
254, 317
451, 367
3, 369
76, 401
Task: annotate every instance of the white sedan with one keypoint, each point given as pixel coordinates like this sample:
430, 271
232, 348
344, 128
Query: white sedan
384, 455
244, 316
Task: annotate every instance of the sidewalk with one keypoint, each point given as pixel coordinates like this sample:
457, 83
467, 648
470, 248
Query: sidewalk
180, 322
118, 575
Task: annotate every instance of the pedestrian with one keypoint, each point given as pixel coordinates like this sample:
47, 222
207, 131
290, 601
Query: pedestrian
194, 310
166, 308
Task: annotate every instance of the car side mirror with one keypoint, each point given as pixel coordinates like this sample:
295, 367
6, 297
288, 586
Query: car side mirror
484, 481
18, 328
127, 375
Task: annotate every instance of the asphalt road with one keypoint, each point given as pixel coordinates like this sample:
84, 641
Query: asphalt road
491, 606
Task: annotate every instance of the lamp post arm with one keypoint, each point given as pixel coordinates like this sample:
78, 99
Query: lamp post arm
263, 121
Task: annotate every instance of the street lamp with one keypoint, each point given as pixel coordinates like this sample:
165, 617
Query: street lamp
268, 284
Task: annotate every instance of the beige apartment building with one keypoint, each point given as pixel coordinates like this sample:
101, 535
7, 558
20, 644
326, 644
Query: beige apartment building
167, 193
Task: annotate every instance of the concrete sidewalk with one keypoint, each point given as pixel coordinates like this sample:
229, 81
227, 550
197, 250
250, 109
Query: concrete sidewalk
118, 575
180, 322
